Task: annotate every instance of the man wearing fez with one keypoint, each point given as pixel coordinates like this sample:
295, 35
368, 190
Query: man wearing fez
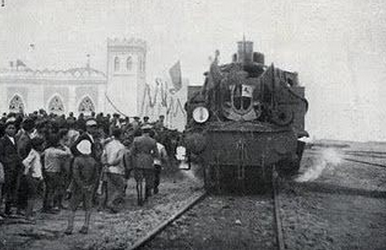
11, 162
144, 150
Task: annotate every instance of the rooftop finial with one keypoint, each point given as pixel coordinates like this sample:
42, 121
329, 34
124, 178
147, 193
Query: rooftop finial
88, 61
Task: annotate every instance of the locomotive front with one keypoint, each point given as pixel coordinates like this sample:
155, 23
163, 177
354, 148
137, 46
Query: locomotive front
245, 119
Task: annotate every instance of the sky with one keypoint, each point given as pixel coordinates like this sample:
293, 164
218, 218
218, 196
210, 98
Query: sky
337, 47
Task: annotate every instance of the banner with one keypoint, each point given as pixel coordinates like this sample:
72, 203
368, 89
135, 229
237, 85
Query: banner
175, 75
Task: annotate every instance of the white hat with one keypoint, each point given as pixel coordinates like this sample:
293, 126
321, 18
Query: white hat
84, 147
10, 120
91, 122
147, 126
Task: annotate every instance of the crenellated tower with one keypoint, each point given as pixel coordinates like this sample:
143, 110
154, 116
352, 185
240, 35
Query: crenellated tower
126, 73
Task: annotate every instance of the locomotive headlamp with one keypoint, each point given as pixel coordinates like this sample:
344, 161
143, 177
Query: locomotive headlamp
200, 114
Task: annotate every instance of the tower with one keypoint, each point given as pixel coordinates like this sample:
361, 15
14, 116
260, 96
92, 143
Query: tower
126, 60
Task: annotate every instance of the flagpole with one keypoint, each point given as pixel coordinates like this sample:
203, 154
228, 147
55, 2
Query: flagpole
244, 50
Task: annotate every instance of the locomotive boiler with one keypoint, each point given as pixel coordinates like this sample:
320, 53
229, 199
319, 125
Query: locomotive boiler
245, 119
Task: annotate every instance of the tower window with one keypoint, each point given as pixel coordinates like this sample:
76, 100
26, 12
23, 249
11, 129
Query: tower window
129, 63
116, 64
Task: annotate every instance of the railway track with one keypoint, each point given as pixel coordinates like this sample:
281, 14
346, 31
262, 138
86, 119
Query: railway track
350, 156
275, 194
276, 230
276, 235
365, 162
163, 225
277, 227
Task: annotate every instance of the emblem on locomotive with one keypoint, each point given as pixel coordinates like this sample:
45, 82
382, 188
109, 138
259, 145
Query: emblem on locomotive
246, 101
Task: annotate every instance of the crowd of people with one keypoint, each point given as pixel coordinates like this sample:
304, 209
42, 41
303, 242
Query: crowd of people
85, 160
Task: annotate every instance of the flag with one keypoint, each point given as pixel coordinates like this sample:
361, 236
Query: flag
19, 63
175, 75
215, 76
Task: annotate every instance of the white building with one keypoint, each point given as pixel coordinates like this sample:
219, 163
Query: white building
26, 90
80, 90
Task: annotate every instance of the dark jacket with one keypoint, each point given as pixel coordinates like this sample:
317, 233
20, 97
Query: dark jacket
9, 156
96, 148
144, 150
85, 171
24, 145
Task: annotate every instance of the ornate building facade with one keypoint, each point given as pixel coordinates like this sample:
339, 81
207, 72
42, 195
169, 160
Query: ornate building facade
80, 90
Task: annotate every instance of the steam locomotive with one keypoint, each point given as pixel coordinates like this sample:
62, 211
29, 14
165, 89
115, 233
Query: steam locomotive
245, 119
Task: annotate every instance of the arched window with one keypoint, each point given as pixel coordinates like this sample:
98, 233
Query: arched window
16, 104
56, 105
116, 64
129, 63
86, 106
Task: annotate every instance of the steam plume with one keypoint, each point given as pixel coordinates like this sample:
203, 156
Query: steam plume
328, 158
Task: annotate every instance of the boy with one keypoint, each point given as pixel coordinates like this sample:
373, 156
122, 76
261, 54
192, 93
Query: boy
84, 179
33, 175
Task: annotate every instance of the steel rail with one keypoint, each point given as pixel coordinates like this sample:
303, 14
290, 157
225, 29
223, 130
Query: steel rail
141, 242
365, 162
279, 228
367, 155
357, 161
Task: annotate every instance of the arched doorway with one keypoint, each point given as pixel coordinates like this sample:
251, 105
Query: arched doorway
16, 104
56, 105
86, 106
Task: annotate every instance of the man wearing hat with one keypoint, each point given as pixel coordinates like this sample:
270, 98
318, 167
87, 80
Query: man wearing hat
159, 124
145, 121
136, 123
24, 148
144, 150
114, 170
11, 162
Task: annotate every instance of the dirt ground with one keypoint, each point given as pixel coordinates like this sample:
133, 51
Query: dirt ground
108, 231
222, 222
343, 207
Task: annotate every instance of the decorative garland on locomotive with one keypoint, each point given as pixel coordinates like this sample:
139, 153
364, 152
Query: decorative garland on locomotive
247, 114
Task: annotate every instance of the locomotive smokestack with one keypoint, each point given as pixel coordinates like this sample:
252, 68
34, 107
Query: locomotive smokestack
245, 52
